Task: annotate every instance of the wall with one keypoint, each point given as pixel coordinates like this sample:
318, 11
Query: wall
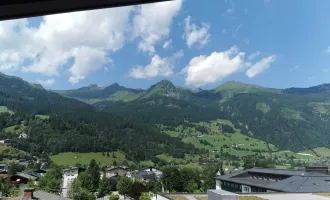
68, 177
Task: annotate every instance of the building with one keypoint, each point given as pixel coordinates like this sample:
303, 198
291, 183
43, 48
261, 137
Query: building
69, 175
320, 169
145, 174
274, 180
4, 167
22, 178
115, 171
30, 193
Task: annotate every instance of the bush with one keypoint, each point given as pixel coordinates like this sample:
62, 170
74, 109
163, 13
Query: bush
114, 197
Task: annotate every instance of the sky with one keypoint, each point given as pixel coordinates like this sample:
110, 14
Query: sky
192, 43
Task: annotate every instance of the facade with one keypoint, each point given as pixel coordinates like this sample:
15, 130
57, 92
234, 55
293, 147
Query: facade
68, 176
145, 174
115, 171
258, 180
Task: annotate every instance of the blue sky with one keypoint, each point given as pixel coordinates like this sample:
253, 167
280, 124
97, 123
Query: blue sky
191, 43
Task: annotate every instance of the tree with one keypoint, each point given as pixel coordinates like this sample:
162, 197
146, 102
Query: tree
145, 196
209, 172
191, 178
94, 172
248, 163
12, 170
172, 179
86, 181
124, 186
138, 188
77, 192
104, 187
52, 180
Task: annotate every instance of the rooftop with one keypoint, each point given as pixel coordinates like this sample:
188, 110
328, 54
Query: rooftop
282, 180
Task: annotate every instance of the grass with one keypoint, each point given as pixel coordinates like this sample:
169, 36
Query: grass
71, 158
250, 198
147, 163
217, 138
4, 109
263, 107
170, 159
15, 129
320, 107
178, 197
322, 151
201, 198
7, 151
291, 114
42, 116
322, 194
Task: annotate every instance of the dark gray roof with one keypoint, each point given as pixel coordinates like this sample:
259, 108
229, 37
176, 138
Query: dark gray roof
47, 196
297, 181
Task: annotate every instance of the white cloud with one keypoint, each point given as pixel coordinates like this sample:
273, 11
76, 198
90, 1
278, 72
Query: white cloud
246, 10
310, 78
157, 67
48, 82
167, 44
224, 30
152, 23
61, 42
254, 55
203, 69
63, 38
260, 66
196, 35
325, 70
267, 1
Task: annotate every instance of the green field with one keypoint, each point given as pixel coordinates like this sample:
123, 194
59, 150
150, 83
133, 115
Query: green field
322, 151
15, 129
218, 139
4, 109
42, 116
71, 159
7, 151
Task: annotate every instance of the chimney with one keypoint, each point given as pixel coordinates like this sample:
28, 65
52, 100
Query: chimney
28, 192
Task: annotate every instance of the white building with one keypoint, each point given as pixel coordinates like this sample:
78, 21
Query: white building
115, 171
68, 176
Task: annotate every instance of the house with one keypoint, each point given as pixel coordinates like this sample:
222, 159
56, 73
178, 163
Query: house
158, 173
69, 175
145, 174
273, 180
115, 171
22, 178
30, 194
4, 167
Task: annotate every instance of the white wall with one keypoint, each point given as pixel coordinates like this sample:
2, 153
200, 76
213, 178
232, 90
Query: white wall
217, 185
68, 177
246, 189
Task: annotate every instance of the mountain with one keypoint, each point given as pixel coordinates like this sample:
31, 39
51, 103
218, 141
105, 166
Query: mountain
296, 118
94, 93
74, 126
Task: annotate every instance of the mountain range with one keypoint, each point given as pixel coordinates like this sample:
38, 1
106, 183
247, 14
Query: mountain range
293, 118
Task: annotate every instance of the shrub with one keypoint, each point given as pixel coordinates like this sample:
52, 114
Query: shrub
114, 197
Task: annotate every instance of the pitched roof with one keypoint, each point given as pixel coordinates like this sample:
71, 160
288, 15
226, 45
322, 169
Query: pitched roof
47, 196
296, 181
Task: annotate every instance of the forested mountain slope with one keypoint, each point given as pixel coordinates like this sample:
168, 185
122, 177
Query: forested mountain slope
75, 126
294, 118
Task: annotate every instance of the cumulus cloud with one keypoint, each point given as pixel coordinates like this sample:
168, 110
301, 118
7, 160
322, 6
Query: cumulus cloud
62, 42
48, 82
157, 67
82, 37
203, 69
260, 66
167, 44
196, 35
254, 55
152, 23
